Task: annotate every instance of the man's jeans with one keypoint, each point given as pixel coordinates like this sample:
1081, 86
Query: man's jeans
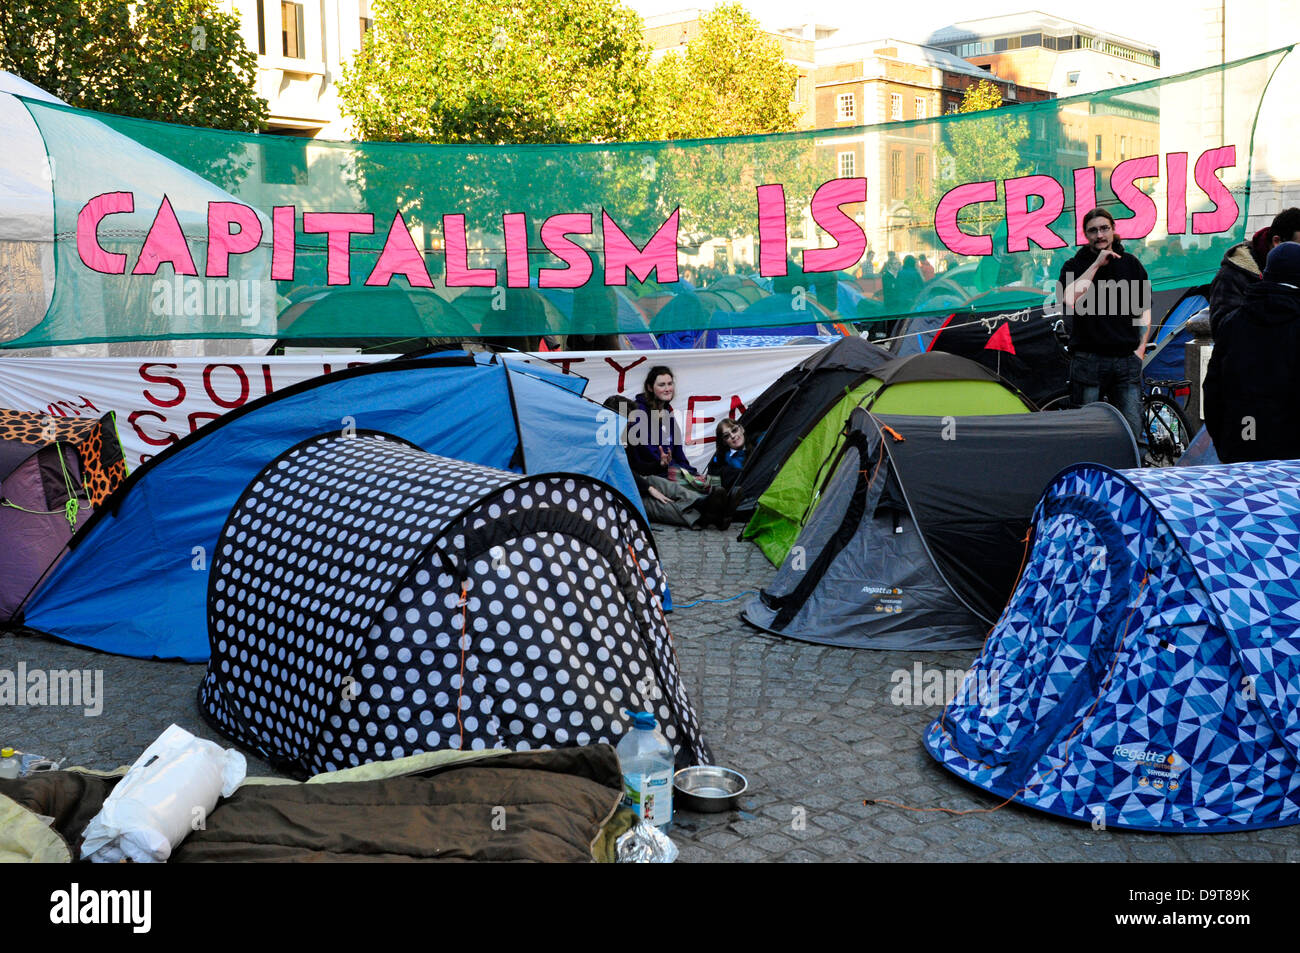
1116, 379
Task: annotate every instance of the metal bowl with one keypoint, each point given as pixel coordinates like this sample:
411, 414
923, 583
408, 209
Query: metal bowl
708, 788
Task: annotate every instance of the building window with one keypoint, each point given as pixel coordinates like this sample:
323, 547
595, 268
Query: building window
848, 165
261, 28
896, 173
1123, 148
291, 34
895, 106
919, 174
1072, 78
1097, 148
801, 89
920, 107
848, 108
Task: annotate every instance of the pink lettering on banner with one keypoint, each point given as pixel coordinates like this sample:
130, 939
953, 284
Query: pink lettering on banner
622, 371
1225, 211
240, 375
945, 218
692, 420
1176, 206
92, 213
282, 248
165, 243
554, 236
340, 227
1085, 200
222, 243
456, 252
850, 239
1024, 226
773, 234
622, 255
515, 227
161, 379
399, 257
1139, 225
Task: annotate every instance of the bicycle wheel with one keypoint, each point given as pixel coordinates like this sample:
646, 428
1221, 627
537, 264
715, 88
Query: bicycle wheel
1059, 402
1168, 430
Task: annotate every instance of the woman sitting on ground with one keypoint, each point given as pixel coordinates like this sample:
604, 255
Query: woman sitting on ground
665, 500
656, 447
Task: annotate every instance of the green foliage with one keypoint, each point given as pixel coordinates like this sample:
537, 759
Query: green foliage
979, 149
732, 81
180, 61
494, 71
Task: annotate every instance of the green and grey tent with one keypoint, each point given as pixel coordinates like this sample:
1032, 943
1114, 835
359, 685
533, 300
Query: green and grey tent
933, 384
920, 534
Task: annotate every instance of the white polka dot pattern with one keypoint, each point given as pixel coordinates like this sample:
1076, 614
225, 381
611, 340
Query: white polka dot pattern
369, 601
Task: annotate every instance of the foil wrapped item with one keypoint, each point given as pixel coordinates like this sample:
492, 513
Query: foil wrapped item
646, 844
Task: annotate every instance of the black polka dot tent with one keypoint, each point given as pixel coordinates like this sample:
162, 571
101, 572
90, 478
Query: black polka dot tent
369, 601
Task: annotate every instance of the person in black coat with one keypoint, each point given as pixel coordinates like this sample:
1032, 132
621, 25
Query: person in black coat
1252, 386
1243, 264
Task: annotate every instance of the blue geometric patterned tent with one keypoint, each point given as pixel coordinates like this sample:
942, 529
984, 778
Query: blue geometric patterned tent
1146, 673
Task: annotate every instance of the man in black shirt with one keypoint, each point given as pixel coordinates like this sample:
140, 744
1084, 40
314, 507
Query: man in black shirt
1108, 293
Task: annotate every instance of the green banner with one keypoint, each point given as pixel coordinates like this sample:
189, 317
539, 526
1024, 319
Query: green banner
166, 231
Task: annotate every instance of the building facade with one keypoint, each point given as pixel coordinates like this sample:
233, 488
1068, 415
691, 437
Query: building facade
1047, 52
301, 48
889, 81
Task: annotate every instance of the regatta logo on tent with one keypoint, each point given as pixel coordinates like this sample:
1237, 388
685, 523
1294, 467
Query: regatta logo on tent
207, 298
54, 687
1146, 757
929, 687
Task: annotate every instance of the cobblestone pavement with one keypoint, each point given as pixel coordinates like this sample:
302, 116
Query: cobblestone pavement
813, 728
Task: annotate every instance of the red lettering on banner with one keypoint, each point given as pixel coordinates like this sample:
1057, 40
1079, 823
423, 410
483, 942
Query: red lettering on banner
212, 393
266, 379
206, 414
153, 379
566, 363
133, 420
622, 371
692, 420
737, 408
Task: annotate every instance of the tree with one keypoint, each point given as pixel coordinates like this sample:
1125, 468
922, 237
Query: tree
181, 61
976, 150
496, 71
732, 81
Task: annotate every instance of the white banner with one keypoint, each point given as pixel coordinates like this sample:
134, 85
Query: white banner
711, 383
160, 400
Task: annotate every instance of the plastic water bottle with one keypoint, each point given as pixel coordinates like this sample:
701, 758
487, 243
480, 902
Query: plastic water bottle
11, 763
647, 761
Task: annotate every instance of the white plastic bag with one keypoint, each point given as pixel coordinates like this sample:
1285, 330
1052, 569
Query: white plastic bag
173, 785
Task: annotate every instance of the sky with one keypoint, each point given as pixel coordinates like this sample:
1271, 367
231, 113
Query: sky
1164, 24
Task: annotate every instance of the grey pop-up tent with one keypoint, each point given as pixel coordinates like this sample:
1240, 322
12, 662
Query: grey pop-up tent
920, 532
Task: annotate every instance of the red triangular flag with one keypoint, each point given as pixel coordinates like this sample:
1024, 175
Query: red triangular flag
1001, 340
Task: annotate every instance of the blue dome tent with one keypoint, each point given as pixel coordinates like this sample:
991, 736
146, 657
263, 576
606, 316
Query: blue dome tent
134, 579
1146, 672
